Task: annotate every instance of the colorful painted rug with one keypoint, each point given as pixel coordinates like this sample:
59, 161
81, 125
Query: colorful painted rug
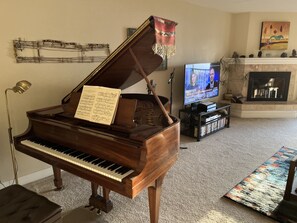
263, 190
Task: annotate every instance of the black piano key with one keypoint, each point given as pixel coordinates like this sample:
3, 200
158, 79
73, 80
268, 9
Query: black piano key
66, 150
56, 148
59, 149
122, 170
90, 158
41, 143
69, 151
82, 156
63, 149
48, 144
102, 164
105, 164
75, 153
97, 161
52, 145
36, 140
119, 170
108, 163
114, 166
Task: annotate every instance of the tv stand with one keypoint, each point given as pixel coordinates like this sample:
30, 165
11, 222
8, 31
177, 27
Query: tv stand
201, 124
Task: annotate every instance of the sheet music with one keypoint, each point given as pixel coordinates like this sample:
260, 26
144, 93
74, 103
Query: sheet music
98, 104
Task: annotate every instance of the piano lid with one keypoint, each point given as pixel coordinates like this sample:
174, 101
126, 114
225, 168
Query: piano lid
119, 69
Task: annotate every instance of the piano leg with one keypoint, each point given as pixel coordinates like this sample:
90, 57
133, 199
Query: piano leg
101, 202
154, 194
57, 178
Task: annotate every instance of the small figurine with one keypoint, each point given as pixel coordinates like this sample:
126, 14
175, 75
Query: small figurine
284, 54
293, 53
260, 53
251, 55
235, 55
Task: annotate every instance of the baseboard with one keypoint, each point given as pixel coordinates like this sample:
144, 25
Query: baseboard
263, 114
31, 177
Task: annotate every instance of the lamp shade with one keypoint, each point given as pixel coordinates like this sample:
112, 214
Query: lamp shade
21, 86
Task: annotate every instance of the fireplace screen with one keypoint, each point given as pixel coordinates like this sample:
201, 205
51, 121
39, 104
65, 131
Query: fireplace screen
268, 86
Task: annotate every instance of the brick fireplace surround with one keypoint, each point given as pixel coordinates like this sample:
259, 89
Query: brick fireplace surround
238, 84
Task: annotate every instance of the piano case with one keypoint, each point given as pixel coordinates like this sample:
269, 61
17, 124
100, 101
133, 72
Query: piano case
133, 153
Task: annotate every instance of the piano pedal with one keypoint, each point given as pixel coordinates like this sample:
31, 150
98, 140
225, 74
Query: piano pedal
59, 188
92, 208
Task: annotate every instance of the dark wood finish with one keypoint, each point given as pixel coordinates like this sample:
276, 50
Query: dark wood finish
98, 201
57, 178
291, 186
169, 120
286, 211
154, 195
146, 142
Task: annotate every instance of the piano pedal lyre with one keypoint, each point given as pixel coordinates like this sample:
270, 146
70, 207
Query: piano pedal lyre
102, 203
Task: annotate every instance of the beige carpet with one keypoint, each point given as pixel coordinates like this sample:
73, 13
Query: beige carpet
193, 188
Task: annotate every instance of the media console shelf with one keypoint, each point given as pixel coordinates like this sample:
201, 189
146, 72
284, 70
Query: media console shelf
201, 124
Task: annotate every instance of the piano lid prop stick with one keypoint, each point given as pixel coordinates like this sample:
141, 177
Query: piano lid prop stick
169, 120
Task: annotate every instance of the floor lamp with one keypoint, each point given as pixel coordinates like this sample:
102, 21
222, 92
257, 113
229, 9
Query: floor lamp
170, 81
20, 88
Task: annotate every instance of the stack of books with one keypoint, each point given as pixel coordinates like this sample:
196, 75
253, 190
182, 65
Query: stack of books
212, 126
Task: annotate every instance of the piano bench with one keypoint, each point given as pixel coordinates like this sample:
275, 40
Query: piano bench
18, 204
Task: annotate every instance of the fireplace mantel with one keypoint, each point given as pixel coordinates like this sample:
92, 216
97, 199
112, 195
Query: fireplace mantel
238, 82
268, 60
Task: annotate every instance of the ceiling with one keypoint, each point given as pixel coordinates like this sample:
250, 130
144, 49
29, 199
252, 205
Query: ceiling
237, 6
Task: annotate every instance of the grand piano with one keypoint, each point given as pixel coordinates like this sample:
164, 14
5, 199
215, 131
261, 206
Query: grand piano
133, 153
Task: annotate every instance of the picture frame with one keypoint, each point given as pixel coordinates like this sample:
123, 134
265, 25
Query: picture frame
130, 31
163, 65
274, 35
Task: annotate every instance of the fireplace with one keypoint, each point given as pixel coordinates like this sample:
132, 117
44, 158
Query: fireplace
268, 86
238, 81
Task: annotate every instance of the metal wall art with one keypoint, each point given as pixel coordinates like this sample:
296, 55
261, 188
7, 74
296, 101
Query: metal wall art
55, 51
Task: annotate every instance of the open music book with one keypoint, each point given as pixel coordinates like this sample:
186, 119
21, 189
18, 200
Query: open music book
98, 104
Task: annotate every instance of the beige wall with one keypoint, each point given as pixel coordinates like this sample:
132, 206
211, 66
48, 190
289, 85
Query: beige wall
246, 32
239, 32
202, 35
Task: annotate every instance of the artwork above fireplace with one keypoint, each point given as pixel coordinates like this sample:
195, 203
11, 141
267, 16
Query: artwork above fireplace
268, 86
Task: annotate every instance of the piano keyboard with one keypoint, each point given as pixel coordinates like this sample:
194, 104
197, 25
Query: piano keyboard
92, 163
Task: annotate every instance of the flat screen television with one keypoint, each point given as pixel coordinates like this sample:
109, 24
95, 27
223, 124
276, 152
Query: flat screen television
201, 81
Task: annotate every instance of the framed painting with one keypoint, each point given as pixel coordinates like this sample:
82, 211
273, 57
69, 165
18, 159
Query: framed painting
163, 65
274, 35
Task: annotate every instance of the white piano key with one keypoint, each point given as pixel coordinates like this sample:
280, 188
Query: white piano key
87, 165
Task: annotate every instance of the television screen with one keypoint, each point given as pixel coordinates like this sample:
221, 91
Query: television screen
201, 82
